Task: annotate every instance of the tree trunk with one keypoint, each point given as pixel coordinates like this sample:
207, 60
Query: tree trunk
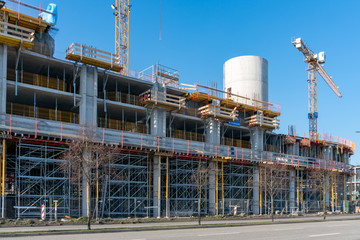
88, 205
324, 198
272, 208
199, 206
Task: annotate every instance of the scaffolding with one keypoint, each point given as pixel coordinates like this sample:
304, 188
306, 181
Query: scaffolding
161, 74
280, 191
236, 186
39, 180
127, 188
183, 191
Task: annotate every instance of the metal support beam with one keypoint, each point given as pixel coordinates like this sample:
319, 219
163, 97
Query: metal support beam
3, 77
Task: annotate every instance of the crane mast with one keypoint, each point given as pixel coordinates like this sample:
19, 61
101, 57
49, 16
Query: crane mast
313, 113
122, 11
314, 65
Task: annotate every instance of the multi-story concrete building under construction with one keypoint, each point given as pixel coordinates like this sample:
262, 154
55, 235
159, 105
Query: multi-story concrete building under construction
164, 132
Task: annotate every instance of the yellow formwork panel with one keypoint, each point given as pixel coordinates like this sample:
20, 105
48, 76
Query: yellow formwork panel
228, 103
248, 108
15, 42
200, 97
94, 62
26, 21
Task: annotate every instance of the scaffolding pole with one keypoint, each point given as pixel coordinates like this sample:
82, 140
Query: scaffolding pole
3, 180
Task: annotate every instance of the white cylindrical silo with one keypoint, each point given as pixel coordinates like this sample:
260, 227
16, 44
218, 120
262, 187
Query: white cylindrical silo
247, 76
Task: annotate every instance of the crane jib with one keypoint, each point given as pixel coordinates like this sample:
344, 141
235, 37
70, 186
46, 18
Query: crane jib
327, 79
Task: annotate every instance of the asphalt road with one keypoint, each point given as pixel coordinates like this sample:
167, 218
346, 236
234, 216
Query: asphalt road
316, 230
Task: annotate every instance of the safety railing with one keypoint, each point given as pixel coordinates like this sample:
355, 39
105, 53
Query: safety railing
262, 121
41, 113
231, 99
327, 139
163, 99
121, 97
217, 112
93, 56
39, 127
40, 80
16, 35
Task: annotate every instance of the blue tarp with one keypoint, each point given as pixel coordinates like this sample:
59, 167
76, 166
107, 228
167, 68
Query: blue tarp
49, 18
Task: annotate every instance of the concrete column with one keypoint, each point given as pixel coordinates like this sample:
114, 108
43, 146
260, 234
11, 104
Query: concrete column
158, 116
156, 189
292, 190
3, 73
257, 145
325, 153
256, 191
327, 195
89, 93
331, 153
257, 141
157, 128
212, 132
212, 189
346, 159
84, 207
212, 137
293, 149
88, 113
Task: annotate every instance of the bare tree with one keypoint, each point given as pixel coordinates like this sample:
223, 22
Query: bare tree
319, 182
88, 161
200, 178
273, 177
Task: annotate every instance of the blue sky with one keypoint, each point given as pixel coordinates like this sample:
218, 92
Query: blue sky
199, 36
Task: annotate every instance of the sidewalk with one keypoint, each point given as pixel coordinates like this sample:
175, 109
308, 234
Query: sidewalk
172, 223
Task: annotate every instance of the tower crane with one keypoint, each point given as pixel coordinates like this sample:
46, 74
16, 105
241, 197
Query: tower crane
122, 11
314, 62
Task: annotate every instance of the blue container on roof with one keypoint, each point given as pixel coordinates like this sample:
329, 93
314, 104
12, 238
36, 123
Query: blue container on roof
49, 18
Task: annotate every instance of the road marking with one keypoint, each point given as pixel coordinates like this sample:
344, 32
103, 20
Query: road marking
339, 225
326, 234
214, 234
280, 229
